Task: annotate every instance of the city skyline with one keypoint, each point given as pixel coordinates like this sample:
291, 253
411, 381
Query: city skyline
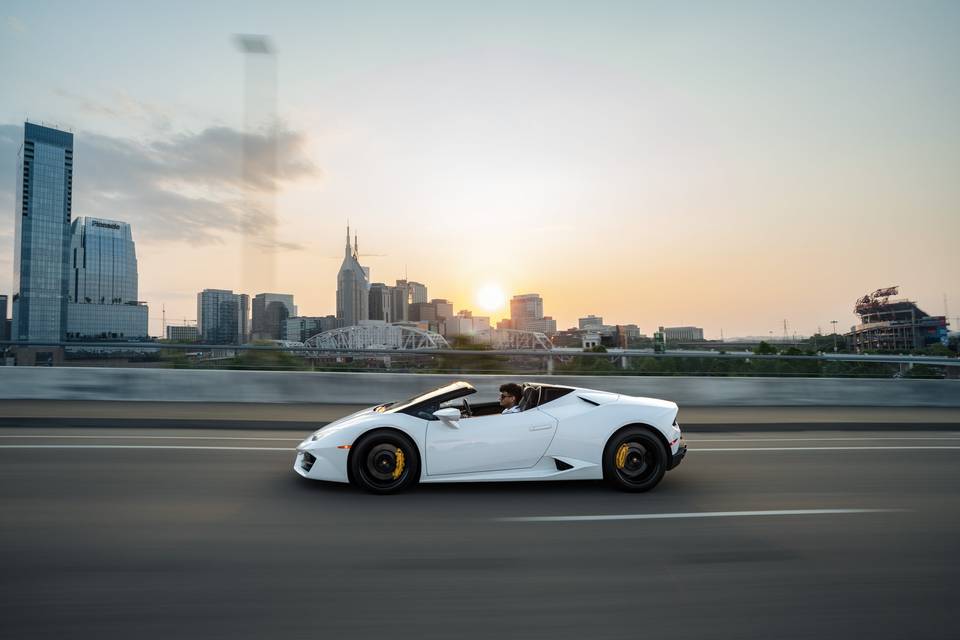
602, 159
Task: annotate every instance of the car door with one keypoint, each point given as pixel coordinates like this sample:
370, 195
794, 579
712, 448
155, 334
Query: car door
488, 443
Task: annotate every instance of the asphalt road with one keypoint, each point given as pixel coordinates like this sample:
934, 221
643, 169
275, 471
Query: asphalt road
191, 542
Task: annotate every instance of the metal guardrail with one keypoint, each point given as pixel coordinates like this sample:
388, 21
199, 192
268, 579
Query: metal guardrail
937, 361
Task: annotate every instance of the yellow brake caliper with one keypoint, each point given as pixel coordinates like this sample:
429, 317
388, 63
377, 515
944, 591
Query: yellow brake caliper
622, 455
397, 470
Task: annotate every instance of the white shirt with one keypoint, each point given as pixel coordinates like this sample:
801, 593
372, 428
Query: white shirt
514, 409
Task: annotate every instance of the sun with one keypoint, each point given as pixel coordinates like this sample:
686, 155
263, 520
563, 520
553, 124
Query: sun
490, 297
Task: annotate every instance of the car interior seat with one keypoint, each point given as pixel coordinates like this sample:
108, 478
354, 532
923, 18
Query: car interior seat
530, 397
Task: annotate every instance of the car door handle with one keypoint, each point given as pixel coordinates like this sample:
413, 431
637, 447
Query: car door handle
541, 427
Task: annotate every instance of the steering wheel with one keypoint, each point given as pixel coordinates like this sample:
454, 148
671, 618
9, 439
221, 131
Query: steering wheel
466, 410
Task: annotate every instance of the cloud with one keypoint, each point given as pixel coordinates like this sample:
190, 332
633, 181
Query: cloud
190, 187
120, 105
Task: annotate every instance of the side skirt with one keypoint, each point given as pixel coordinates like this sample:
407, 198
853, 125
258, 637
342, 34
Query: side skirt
546, 469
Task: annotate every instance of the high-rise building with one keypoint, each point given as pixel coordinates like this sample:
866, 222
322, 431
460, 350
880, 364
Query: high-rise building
444, 308
526, 314
380, 306
243, 319
631, 331
102, 288
182, 334
590, 322
4, 327
416, 292
525, 307
301, 329
466, 325
545, 325
353, 301
270, 312
423, 312
220, 316
400, 303
44, 203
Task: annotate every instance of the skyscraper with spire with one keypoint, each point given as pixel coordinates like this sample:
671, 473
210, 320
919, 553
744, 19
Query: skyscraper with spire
353, 286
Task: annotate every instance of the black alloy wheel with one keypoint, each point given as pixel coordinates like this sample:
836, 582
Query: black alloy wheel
635, 460
384, 462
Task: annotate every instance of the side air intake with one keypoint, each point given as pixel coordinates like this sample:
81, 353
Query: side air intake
561, 465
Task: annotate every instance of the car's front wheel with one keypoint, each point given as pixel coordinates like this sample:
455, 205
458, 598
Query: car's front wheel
634, 460
384, 462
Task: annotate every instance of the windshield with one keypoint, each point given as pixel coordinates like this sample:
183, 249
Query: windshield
433, 397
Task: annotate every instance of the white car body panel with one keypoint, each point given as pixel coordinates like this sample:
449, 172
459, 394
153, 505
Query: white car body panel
488, 443
572, 430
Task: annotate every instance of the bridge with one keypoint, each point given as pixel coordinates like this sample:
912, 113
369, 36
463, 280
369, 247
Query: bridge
377, 336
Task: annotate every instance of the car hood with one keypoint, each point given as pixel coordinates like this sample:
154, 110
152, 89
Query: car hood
340, 423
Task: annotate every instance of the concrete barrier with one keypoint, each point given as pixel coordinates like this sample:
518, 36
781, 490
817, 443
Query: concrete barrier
182, 385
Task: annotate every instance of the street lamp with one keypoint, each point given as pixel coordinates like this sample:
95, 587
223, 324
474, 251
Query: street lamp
834, 323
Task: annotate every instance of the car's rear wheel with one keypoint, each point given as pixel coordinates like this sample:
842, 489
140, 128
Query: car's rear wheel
384, 462
634, 460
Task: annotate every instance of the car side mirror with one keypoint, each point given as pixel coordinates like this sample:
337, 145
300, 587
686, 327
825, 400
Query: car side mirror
448, 414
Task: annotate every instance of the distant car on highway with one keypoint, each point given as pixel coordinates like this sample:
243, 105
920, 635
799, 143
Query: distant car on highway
561, 433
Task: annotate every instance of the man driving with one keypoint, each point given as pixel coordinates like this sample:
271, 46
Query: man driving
510, 395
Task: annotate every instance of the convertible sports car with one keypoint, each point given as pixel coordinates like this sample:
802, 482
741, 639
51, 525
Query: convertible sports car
561, 433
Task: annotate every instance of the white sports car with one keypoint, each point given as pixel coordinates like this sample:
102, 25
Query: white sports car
560, 433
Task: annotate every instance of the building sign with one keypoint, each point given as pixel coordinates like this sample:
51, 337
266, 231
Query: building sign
106, 225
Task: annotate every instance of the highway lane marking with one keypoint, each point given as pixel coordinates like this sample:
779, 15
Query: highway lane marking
141, 446
696, 514
156, 437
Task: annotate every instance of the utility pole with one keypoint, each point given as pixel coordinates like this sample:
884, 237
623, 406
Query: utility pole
834, 323
163, 330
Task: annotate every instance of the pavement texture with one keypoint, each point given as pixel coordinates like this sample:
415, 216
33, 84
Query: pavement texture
228, 542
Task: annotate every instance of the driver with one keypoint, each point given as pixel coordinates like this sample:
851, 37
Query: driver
510, 395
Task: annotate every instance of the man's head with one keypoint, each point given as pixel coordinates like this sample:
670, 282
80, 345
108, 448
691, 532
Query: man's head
510, 395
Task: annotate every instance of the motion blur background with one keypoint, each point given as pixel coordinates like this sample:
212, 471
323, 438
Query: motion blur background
229, 224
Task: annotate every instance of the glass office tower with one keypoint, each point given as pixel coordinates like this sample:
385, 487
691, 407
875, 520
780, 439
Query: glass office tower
102, 282
43, 210
270, 313
221, 316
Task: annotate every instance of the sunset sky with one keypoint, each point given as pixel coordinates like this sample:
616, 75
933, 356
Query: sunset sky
722, 164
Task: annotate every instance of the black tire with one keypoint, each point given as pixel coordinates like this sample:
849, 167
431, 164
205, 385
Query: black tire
642, 460
375, 458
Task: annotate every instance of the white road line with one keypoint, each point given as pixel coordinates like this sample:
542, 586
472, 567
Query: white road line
701, 514
911, 438
154, 437
921, 448
140, 446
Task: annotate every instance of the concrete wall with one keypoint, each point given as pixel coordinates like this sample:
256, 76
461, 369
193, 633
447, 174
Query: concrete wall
180, 385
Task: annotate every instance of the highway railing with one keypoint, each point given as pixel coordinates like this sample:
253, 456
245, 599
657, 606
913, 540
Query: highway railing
641, 362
